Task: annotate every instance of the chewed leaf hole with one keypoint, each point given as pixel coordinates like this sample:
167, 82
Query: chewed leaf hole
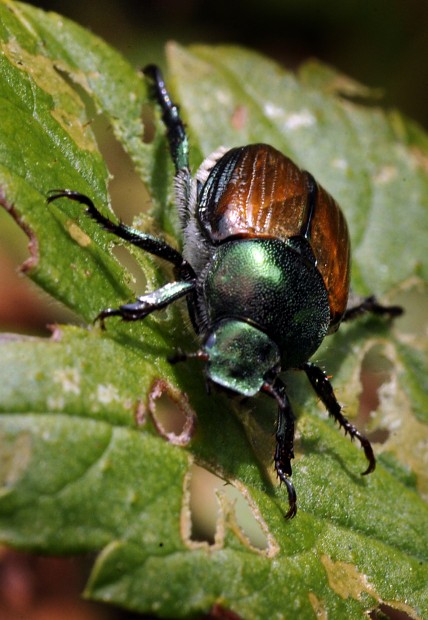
137, 280
171, 412
414, 322
376, 371
212, 502
128, 193
386, 612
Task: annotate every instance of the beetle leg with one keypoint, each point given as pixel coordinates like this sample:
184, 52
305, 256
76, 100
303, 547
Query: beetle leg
284, 451
185, 189
146, 304
370, 304
146, 242
323, 388
176, 133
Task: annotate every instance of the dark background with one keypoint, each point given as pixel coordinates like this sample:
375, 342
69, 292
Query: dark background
382, 43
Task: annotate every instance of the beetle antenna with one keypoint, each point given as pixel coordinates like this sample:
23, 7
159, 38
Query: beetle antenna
182, 356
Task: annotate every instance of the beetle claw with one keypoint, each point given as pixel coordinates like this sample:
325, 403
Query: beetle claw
292, 497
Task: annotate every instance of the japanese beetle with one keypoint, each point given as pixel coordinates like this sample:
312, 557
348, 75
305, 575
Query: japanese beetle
265, 270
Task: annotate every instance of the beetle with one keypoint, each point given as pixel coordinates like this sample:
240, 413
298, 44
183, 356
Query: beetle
265, 271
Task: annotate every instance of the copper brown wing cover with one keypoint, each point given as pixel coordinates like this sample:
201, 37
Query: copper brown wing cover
266, 195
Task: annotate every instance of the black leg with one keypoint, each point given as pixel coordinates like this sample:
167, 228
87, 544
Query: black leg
370, 304
152, 301
284, 451
323, 388
146, 242
148, 303
176, 133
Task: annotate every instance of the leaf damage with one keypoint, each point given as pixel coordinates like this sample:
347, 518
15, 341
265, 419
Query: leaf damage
345, 579
173, 417
31, 262
68, 109
214, 509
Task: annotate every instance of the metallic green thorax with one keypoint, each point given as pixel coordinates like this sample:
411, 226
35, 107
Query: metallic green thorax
274, 286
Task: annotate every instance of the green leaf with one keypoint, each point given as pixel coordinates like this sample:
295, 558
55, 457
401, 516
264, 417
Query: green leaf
87, 461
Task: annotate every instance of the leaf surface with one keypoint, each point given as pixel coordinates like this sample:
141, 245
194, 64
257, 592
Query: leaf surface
86, 463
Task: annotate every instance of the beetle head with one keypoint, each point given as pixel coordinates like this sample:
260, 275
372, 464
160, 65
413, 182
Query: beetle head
240, 356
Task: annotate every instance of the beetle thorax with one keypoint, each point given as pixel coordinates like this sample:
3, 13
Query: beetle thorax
273, 285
